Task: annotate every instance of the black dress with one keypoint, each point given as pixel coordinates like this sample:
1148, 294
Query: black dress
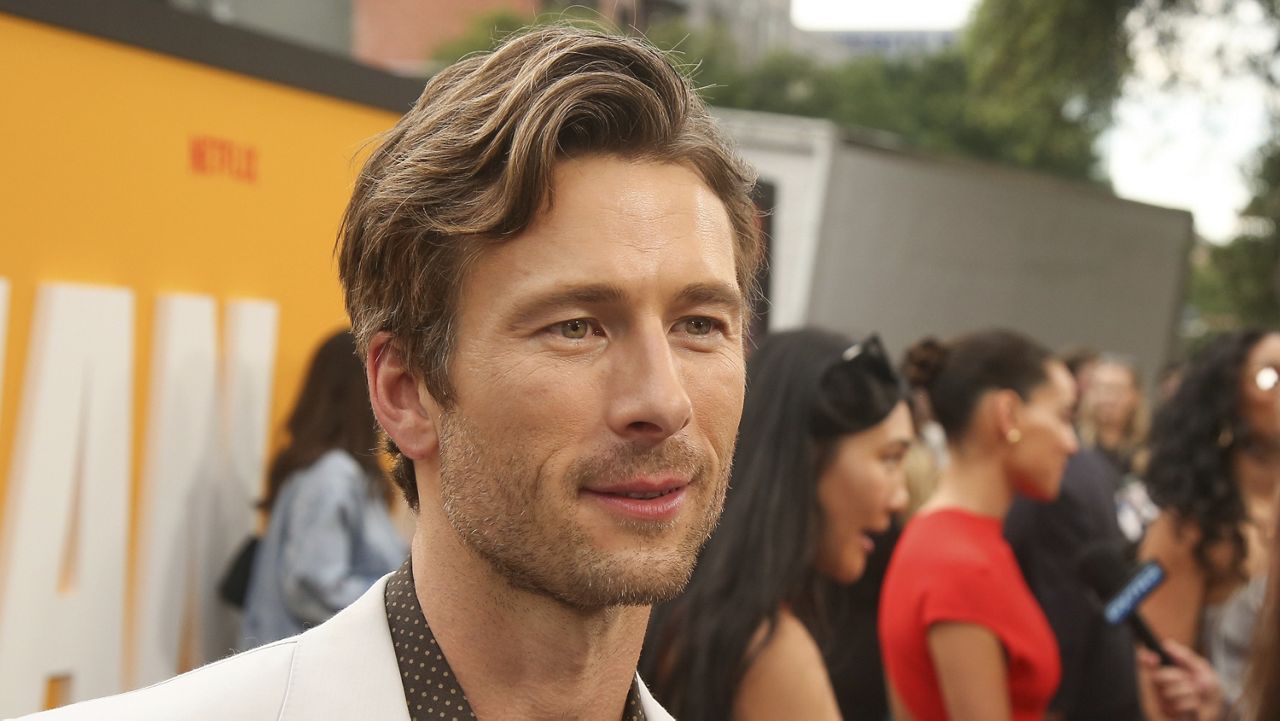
1099, 680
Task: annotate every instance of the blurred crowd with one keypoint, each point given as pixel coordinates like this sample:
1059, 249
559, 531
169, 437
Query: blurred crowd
906, 540
962, 503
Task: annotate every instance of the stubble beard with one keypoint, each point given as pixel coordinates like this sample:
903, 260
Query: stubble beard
524, 523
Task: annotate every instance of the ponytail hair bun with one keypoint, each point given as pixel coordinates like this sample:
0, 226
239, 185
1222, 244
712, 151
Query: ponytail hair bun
923, 362
955, 375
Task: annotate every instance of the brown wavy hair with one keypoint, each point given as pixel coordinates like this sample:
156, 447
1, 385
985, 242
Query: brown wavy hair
472, 162
332, 412
1191, 473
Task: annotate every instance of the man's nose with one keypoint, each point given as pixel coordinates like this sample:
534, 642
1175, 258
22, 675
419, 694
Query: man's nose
649, 400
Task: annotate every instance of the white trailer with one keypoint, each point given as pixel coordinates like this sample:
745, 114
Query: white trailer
869, 237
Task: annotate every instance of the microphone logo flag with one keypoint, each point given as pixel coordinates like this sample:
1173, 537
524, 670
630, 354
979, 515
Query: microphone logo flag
1145, 580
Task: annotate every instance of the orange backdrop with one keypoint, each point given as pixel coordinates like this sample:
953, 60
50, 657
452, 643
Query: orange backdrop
126, 167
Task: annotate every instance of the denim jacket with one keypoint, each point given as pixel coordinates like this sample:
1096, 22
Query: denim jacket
329, 539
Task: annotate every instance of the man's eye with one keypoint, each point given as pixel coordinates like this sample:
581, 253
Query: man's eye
573, 329
699, 326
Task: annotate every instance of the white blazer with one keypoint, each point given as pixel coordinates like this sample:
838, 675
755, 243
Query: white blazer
342, 669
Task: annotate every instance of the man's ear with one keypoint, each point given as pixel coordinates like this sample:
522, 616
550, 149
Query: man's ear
401, 404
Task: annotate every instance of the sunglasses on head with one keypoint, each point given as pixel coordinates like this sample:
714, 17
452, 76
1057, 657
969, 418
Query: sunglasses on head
869, 357
858, 390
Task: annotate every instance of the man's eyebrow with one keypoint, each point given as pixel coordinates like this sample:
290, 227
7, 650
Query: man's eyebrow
579, 295
596, 294
713, 294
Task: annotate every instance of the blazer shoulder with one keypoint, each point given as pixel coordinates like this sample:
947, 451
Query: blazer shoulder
249, 686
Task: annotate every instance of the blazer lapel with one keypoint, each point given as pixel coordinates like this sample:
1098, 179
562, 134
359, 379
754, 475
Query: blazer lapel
346, 667
653, 710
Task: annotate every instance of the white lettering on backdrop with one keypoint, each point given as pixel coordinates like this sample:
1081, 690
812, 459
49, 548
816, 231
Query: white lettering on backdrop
62, 555
179, 447
206, 448
234, 480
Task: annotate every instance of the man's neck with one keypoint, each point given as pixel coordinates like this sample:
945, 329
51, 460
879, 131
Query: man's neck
519, 654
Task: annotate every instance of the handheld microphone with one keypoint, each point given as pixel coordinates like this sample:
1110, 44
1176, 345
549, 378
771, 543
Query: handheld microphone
1104, 569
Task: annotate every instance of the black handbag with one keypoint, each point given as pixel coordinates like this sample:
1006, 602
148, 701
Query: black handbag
234, 586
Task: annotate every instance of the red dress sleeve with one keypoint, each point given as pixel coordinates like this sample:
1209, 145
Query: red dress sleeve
951, 567
966, 595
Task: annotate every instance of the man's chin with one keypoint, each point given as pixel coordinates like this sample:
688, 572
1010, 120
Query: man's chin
630, 577
645, 590
671, 547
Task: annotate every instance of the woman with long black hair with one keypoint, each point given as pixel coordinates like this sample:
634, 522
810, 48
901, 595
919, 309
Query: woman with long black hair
817, 468
1214, 472
330, 535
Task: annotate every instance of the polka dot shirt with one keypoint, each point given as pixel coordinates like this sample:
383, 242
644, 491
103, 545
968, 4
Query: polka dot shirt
430, 687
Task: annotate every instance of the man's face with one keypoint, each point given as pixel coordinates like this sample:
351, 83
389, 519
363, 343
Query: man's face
1113, 394
599, 376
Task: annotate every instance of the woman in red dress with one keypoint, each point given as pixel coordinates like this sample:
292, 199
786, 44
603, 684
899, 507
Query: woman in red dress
963, 639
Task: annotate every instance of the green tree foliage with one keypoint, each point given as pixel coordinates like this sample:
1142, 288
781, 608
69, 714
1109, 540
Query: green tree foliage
490, 28
1031, 56
1046, 75
481, 34
930, 103
1238, 284
1032, 83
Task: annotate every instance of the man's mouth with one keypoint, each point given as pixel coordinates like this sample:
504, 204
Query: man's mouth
645, 495
641, 486
646, 499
